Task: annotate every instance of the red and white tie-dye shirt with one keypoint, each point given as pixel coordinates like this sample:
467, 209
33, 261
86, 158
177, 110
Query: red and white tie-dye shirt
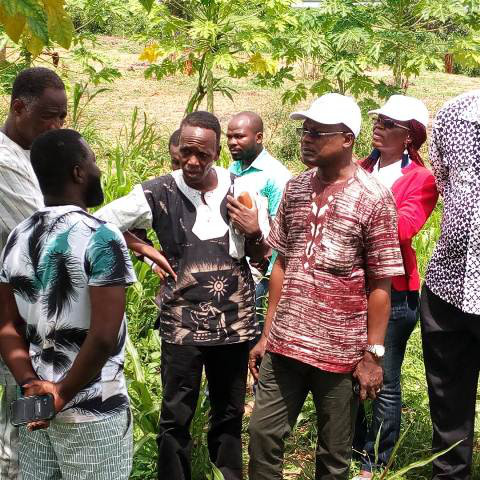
333, 237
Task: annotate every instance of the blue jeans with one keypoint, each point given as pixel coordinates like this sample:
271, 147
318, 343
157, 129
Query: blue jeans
387, 407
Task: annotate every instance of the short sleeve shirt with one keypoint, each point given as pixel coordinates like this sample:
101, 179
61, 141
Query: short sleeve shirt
212, 302
333, 239
453, 272
267, 176
50, 260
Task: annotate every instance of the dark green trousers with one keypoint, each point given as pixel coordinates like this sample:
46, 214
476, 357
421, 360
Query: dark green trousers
283, 386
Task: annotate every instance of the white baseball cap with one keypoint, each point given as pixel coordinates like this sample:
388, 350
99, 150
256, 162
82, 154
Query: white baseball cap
333, 108
404, 108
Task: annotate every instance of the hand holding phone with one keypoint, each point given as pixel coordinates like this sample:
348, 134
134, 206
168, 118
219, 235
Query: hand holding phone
39, 387
27, 410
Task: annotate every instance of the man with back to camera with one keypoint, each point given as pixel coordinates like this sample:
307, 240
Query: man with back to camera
329, 298
450, 298
62, 320
38, 103
262, 173
207, 310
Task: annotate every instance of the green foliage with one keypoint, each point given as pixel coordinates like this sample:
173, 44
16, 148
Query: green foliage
36, 23
214, 40
329, 41
108, 17
413, 35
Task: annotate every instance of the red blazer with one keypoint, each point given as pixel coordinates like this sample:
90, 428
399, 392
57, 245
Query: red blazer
416, 195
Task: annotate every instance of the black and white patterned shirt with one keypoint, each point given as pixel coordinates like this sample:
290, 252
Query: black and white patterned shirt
454, 270
50, 261
212, 301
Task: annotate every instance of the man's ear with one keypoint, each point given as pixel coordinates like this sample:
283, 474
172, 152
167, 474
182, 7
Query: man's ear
219, 150
78, 174
259, 137
349, 140
18, 106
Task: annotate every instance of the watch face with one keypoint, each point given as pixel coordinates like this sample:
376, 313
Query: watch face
379, 350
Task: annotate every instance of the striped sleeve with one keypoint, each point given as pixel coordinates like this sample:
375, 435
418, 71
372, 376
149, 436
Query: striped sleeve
382, 249
277, 238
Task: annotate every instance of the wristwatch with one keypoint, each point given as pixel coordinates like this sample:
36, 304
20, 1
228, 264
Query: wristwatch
376, 350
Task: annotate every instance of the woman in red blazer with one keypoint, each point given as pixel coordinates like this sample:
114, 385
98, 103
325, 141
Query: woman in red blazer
398, 133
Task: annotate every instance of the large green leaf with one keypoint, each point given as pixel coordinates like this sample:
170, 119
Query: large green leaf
60, 26
36, 22
147, 4
14, 25
34, 14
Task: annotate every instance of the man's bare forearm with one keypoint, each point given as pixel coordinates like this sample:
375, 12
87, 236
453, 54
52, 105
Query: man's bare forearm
378, 310
13, 346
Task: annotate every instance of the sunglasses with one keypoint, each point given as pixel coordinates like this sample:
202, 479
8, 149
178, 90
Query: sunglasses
301, 132
387, 122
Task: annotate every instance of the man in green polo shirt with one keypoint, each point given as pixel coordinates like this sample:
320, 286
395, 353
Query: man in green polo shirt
263, 174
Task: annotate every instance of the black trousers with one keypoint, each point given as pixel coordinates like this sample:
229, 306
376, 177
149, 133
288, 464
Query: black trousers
226, 372
451, 350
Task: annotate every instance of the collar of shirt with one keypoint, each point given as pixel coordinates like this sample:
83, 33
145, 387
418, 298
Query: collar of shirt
388, 175
14, 146
260, 163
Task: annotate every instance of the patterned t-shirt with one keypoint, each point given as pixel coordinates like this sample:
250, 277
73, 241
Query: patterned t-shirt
50, 260
212, 301
333, 238
454, 269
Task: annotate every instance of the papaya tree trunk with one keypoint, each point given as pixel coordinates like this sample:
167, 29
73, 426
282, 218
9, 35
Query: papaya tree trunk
210, 90
448, 63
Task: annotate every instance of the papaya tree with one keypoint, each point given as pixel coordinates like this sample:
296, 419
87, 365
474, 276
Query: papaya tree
332, 42
414, 35
214, 40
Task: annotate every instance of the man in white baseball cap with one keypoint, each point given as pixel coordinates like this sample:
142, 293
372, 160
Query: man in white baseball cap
336, 236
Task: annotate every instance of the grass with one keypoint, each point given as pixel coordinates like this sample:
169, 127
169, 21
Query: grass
128, 126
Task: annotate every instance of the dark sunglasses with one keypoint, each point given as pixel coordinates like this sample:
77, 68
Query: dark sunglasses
387, 123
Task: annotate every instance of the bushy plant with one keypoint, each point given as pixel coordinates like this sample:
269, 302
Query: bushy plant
109, 17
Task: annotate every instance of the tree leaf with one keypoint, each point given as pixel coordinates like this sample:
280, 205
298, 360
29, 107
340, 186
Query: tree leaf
14, 25
32, 43
60, 25
34, 14
147, 4
261, 64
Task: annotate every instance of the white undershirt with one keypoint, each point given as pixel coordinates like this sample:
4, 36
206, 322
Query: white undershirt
388, 175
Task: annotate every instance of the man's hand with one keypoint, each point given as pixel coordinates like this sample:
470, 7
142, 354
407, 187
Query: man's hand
162, 268
41, 387
256, 355
369, 374
244, 219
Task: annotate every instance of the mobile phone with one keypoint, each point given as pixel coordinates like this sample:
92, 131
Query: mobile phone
31, 409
